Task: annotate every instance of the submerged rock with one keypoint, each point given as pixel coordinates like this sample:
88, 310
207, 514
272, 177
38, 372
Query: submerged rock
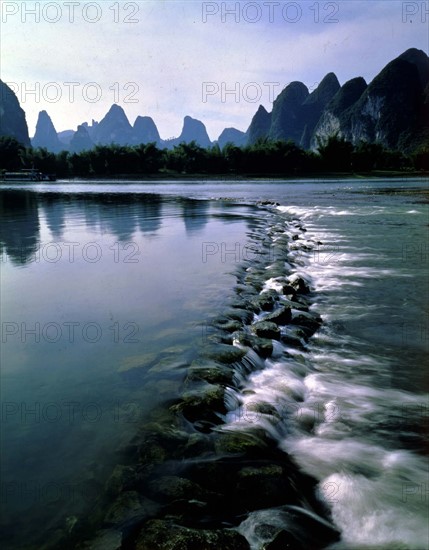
169, 488
228, 325
203, 404
236, 314
107, 539
129, 509
121, 478
165, 535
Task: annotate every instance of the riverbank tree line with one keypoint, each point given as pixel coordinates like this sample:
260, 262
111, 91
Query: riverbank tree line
265, 157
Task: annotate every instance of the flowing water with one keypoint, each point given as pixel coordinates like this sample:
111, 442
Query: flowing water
106, 289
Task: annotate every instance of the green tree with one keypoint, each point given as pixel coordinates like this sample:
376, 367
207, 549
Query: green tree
336, 154
11, 153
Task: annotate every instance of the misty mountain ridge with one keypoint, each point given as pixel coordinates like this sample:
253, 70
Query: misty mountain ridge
391, 110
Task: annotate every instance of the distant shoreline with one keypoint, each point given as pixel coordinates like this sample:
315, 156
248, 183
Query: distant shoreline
244, 177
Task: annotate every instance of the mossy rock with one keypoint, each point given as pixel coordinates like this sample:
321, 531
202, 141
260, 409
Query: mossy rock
107, 539
243, 303
223, 353
266, 329
160, 443
262, 346
243, 315
250, 442
266, 300
292, 340
198, 445
169, 488
228, 325
130, 508
165, 535
307, 322
255, 281
212, 373
281, 316
245, 291
202, 404
121, 478
275, 272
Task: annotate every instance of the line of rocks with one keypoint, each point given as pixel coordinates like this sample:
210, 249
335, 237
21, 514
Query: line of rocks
186, 482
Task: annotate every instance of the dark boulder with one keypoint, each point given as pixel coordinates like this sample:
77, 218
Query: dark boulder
266, 329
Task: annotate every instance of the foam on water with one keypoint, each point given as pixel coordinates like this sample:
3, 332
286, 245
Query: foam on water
330, 405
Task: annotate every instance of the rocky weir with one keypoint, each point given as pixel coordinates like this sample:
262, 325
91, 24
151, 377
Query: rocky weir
206, 472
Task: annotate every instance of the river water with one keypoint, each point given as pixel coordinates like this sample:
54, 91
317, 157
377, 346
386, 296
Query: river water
107, 289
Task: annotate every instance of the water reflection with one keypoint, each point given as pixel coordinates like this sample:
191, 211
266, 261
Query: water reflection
195, 214
55, 215
121, 214
19, 225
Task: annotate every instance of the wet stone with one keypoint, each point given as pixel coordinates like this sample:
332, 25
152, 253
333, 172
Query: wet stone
255, 281
121, 477
293, 339
169, 488
264, 486
314, 532
242, 303
281, 316
266, 300
283, 541
228, 325
214, 374
301, 286
129, 509
246, 291
242, 442
107, 539
308, 323
165, 535
262, 346
298, 303
266, 329
262, 408
223, 353
219, 337
236, 314
275, 272
159, 443
198, 445
203, 404
289, 292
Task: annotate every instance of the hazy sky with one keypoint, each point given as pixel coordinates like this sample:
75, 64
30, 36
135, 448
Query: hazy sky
171, 58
